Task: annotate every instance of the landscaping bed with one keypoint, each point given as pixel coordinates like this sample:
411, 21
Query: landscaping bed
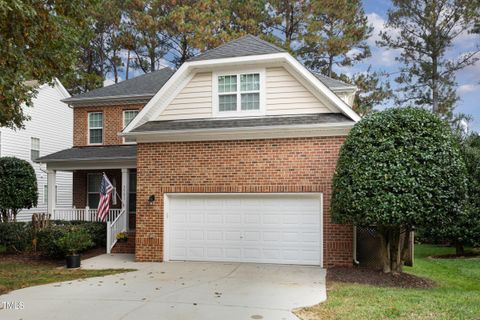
455, 295
377, 278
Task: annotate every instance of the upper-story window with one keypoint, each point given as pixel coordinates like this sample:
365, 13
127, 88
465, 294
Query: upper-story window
34, 148
128, 116
239, 94
95, 128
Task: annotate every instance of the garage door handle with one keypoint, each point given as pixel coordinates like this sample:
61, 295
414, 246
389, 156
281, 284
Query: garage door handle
241, 237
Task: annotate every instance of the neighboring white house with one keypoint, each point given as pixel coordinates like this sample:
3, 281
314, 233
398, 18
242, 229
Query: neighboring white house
50, 129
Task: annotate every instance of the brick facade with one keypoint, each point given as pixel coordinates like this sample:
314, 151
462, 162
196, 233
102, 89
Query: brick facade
112, 123
274, 165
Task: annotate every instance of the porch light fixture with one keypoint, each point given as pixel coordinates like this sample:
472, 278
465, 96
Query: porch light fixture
151, 199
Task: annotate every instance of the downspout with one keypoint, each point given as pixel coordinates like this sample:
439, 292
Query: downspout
355, 261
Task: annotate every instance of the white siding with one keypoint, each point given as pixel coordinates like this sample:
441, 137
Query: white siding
286, 95
51, 122
193, 101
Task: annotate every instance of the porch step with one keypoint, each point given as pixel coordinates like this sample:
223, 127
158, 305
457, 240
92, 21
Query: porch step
127, 246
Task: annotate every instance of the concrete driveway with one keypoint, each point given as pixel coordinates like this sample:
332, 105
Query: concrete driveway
174, 290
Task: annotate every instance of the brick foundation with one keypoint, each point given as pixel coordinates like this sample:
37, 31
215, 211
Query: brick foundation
125, 247
274, 165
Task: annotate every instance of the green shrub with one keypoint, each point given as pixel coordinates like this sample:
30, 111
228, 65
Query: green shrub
16, 236
58, 229
75, 240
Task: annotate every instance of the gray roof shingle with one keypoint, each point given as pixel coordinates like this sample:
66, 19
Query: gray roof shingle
268, 121
333, 83
92, 153
245, 46
146, 85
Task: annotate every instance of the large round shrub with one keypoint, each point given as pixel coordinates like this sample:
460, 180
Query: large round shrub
18, 186
399, 169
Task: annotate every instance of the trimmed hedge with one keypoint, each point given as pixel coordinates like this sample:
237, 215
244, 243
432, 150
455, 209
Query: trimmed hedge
18, 236
48, 237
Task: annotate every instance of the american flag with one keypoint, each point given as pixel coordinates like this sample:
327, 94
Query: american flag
106, 189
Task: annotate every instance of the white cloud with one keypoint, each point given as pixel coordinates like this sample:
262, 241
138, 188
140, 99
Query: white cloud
468, 88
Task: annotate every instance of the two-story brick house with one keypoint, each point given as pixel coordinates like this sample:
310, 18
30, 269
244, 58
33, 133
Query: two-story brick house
229, 158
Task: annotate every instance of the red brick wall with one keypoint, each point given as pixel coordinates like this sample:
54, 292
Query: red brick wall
112, 123
275, 165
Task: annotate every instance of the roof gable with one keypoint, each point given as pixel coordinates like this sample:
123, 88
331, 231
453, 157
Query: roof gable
245, 46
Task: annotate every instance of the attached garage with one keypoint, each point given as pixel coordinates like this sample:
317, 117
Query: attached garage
283, 228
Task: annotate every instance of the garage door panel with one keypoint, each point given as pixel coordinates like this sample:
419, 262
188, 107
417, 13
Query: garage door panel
250, 228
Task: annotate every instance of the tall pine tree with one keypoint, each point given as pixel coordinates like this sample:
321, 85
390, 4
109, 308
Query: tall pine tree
426, 29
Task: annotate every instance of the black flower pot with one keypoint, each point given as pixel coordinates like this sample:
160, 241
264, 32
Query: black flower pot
73, 261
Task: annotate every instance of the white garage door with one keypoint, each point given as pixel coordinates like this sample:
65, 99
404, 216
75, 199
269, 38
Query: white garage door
264, 228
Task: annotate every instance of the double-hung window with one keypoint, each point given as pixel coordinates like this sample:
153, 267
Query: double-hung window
128, 116
34, 148
239, 94
95, 128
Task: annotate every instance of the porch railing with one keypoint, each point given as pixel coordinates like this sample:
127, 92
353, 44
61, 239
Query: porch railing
119, 224
85, 214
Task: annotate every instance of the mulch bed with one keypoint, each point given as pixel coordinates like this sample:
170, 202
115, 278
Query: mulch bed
37, 257
377, 278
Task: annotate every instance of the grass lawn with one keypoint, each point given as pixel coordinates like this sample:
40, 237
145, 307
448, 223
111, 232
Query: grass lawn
456, 295
16, 274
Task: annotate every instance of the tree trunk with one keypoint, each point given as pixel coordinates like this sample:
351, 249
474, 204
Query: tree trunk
128, 65
393, 246
459, 249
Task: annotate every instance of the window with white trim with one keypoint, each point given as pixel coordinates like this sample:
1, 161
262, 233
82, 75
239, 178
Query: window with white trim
239, 93
95, 128
34, 148
128, 116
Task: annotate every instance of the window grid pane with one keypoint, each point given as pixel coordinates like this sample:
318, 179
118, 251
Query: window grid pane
250, 101
128, 117
227, 102
96, 135
250, 82
227, 84
95, 120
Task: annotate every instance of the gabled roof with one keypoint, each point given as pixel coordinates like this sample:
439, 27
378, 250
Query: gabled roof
245, 46
144, 86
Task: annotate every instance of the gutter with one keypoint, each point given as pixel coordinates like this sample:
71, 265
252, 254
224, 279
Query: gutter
355, 261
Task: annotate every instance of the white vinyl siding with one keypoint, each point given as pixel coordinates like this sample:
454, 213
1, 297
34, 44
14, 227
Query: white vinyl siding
52, 123
283, 94
286, 95
194, 100
95, 128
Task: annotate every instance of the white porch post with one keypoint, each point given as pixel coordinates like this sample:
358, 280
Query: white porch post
51, 183
125, 193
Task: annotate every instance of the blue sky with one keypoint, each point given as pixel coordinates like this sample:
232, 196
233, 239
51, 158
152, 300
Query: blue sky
383, 59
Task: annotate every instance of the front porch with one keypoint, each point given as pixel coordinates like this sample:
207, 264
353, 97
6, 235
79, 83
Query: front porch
88, 165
